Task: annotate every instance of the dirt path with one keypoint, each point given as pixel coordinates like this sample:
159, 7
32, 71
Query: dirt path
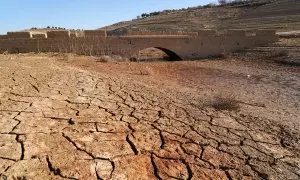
60, 121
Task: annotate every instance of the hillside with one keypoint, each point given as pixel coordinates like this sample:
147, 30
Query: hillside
282, 15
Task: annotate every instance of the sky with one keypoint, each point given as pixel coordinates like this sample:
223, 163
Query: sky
18, 15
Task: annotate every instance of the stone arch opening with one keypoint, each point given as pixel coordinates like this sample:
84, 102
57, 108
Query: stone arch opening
156, 54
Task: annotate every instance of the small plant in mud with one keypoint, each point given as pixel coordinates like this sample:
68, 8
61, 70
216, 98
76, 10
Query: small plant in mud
228, 103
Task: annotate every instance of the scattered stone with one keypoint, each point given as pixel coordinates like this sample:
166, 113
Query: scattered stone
71, 121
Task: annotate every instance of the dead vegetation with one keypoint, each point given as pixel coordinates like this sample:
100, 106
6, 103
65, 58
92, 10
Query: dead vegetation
284, 58
225, 103
291, 63
279, 54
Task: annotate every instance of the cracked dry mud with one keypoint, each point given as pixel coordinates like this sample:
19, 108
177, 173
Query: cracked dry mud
59, 121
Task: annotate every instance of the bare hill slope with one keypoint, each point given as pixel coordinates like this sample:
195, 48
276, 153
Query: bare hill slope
282, 15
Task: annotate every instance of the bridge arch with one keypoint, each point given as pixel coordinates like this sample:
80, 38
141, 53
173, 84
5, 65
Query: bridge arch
172, 55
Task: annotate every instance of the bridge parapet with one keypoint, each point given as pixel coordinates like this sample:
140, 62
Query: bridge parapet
38, 36
58, 34
3, 37
18, 35
185, 45
93, 33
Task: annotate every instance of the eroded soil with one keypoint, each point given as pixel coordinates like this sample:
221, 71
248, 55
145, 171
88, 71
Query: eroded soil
79, 119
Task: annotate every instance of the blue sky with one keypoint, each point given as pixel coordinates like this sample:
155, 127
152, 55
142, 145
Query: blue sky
79, 14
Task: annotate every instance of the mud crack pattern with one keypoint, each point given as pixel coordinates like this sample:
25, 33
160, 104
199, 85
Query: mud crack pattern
61, 122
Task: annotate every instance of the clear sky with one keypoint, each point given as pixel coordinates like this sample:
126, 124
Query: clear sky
79, 14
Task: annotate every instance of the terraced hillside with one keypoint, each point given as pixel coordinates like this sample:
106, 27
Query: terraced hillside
282, 15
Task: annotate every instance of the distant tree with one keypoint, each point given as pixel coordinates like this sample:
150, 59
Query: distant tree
222, 2
144, 15
154, 13
48, 27
237, 2
210, 5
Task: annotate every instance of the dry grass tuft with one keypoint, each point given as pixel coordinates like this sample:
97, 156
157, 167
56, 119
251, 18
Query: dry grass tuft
228, 103
278, 55
283, 53
284, 58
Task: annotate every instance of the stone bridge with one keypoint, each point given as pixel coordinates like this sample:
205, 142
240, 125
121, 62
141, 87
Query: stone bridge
201, 44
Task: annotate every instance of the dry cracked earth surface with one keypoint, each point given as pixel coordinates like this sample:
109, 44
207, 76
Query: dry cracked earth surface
81, 119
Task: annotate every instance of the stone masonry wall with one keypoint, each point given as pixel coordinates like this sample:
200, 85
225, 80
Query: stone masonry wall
207, 43
3, 37
38, 36
91, 33
18, 35
135, 33
58, 34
